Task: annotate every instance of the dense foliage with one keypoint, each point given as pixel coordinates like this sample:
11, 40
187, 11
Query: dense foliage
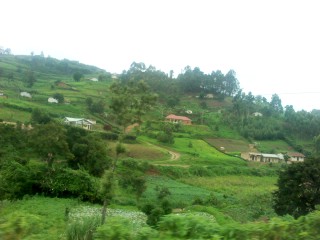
299, 189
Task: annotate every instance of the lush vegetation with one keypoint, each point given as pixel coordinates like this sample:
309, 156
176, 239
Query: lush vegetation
137, 177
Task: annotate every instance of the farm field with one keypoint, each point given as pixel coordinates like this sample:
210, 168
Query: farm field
230, 145
245, 198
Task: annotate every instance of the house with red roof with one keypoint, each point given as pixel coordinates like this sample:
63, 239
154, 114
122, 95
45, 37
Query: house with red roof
178, 119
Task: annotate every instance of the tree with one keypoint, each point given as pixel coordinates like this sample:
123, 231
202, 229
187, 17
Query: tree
38, 116
77, 76
59, 97
130, 101
107, 192
30, 78
49, 140
299, 189
276, 104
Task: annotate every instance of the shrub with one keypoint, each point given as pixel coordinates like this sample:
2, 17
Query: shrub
66, 182
114, 229
19, 225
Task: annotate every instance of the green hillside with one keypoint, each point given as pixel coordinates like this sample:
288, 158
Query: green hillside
146, 171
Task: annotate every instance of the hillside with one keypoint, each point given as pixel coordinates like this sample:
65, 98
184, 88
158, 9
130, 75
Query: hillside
148, 173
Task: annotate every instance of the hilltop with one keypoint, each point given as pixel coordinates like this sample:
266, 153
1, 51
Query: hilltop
196, 169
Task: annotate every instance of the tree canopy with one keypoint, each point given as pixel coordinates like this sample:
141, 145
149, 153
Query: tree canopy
299, 189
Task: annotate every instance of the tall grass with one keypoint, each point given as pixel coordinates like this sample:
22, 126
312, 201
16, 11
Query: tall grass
82, 228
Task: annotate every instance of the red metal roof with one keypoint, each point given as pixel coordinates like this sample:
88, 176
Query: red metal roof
183, 118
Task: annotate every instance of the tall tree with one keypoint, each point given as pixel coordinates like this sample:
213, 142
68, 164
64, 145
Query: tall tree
130, 101
49, 141
276, 104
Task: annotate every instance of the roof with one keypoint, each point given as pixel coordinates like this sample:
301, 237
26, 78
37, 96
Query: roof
69, 119
270, 155
183, 118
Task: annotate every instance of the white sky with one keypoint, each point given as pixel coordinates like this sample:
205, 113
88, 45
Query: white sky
273, 45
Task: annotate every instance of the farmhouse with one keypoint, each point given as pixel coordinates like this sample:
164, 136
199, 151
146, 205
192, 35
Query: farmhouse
25, 94
266, 157
295, 157
79, 122
178, 119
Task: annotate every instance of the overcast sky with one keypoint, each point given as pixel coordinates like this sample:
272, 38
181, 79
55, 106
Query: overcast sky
272, 45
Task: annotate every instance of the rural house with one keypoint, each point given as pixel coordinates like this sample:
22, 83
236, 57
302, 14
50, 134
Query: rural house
52, 100
295, 157
79, 122
266, 157
25, 94
178, 119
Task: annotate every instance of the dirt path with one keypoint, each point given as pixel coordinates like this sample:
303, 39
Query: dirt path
174, 155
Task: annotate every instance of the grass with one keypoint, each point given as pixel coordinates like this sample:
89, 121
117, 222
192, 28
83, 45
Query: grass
45, 218
48, 214
14, 115
245, 198
274, 146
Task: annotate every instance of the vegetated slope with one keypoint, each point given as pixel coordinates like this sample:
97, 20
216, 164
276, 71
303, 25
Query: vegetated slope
43, 78
201, 175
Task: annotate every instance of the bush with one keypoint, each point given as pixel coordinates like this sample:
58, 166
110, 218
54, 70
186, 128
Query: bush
187, 227
19, 225
66, 182
114, 229
110, 136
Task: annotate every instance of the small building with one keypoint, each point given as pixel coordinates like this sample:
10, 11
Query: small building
52, 100
94, 79
79, 122
178, 119
266, 157
295, 157
209, 95
257, 114
25, 94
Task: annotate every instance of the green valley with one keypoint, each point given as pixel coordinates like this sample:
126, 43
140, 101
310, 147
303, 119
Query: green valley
135, 174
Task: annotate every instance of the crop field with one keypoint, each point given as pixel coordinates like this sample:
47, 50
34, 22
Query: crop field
245, 197
230, 145
181, 194
142, 152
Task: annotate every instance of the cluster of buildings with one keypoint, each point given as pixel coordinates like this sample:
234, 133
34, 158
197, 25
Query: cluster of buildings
290, 157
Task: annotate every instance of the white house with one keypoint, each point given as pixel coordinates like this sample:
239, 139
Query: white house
266, 157
52, 100
94, 79
25, 94
257, 114
295, 157
79, 122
